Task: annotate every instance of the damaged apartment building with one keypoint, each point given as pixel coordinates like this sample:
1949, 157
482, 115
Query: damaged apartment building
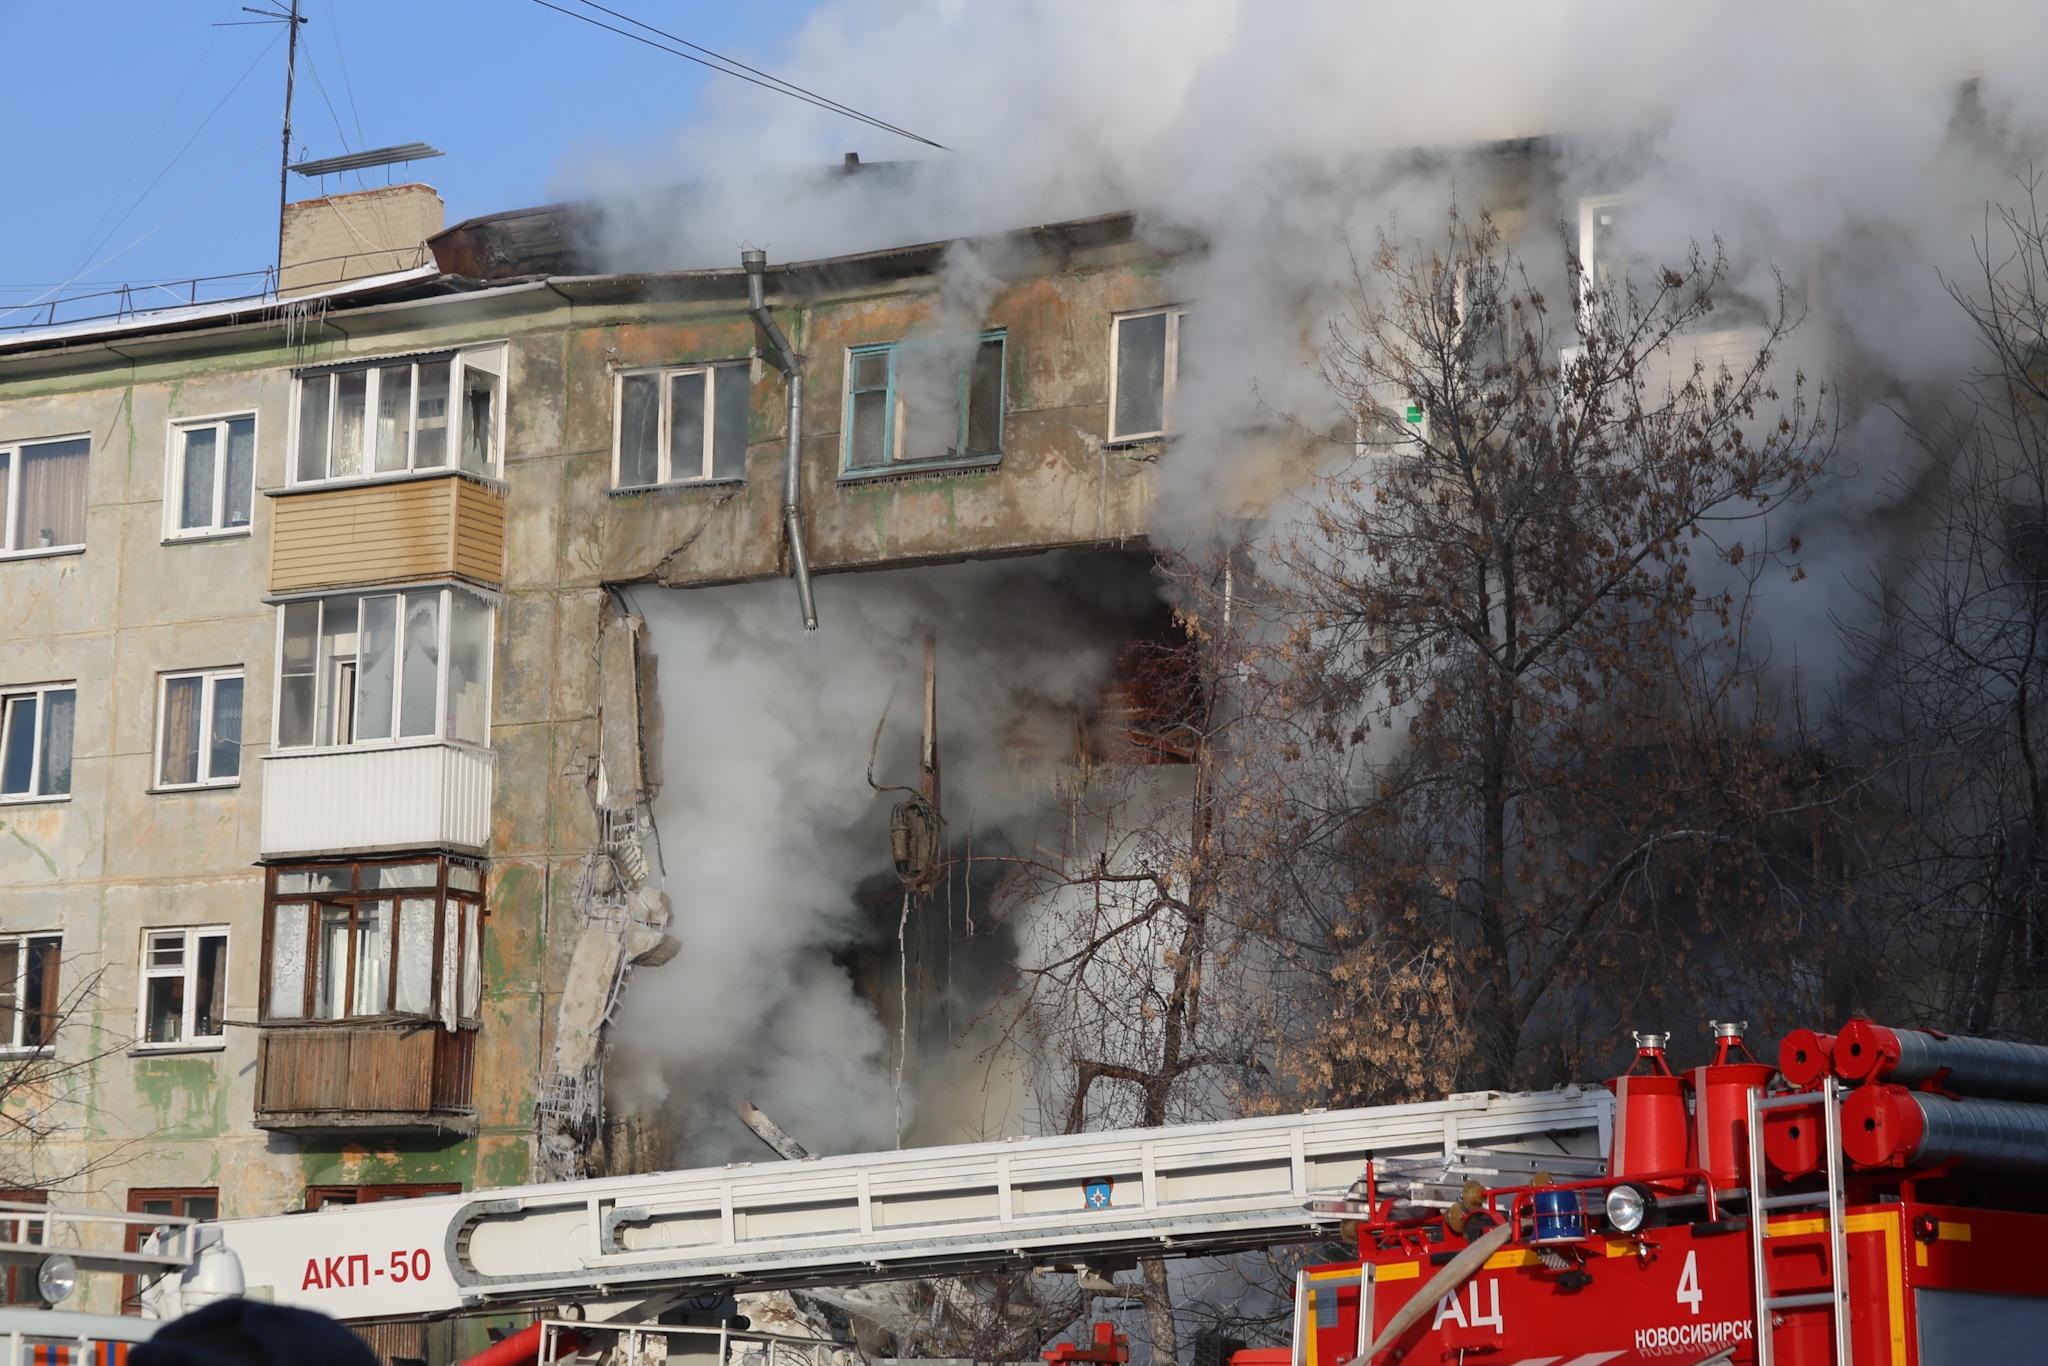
330, 722
329, 736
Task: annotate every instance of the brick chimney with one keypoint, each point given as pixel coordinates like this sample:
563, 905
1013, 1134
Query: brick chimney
349, 236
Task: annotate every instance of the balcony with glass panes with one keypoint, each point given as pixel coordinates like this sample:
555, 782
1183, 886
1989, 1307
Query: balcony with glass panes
382, 724
371, 988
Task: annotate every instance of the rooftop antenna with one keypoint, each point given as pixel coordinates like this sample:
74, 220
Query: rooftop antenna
291, 66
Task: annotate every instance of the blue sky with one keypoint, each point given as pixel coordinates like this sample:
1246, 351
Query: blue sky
139, 132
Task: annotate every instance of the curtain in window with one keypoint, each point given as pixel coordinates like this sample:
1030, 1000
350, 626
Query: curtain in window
472, 964
181, 731
55, 777
52, 495
195, 509
224, 746
415, 994
241, 475
469, 667
330, 986
451, 959
373, 958
288, 961
420, 677
639, 431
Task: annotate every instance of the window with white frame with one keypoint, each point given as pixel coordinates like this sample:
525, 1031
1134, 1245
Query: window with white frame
184, 986
199, 729
382, 668
394, 416
212, 476
35, 741
42, 496
31, 1007
350, 940
1145, 350
681, 425
927, 399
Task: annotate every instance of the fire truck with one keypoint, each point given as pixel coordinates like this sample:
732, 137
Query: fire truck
1877, 1197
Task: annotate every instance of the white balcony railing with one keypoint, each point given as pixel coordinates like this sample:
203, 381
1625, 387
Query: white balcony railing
342, 800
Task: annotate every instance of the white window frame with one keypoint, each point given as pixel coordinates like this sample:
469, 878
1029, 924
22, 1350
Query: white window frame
187, 1041
662, 375
174, 476
41, 692
10, 496
1589, 217
10, 1043
442, 670
493, 359
1170, 377
210, 680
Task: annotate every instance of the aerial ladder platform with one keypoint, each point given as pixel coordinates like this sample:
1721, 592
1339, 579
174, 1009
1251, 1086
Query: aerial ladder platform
1076, 1199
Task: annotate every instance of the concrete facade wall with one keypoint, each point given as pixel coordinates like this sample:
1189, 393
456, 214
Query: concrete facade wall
117, 858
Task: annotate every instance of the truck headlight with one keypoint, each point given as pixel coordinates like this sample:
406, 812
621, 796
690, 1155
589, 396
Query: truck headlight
1627, 1208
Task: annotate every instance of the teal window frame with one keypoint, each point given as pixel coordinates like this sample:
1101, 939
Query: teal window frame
892, 461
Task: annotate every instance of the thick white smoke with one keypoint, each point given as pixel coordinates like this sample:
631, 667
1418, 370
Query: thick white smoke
1834, 141
768, 825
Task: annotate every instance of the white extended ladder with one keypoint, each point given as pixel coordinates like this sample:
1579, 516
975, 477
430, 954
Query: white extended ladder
1096, 1198
1828, 1100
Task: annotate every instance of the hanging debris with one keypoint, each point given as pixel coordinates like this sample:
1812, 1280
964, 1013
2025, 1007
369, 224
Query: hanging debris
771, 1133
624, 912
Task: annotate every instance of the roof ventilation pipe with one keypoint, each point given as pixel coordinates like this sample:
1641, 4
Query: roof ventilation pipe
756, 262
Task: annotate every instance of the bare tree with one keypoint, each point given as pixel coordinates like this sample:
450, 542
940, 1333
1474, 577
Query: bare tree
1957, 714
44, 1086
1136, 990
1517, 627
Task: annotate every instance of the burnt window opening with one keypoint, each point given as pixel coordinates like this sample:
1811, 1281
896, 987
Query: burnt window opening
924, 401
1145, 372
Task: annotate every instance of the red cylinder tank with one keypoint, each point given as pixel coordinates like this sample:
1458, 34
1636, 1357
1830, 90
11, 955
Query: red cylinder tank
1721, 1106
1805, 1057
1792, 1141
1650, 1131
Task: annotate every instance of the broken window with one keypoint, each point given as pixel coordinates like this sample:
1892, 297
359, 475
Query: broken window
35, 742
199, 729
922, 400
682, 425
42, 496
394, 416
1145, 372
30, 1006
184, 986
357, 940
212, 476
384, 667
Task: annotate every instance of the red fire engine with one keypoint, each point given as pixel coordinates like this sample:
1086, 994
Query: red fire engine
1880, 1197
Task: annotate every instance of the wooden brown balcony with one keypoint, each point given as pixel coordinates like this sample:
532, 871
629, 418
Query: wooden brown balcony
441, 526
333, 1078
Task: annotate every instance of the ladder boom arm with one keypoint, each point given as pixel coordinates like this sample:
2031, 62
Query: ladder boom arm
1185, 1190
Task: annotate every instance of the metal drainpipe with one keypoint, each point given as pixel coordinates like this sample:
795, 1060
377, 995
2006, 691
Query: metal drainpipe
756, 262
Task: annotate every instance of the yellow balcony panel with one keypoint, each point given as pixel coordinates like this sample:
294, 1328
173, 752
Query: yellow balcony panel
387, 533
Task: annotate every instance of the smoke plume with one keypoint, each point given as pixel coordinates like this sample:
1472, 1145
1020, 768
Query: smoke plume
1849, 148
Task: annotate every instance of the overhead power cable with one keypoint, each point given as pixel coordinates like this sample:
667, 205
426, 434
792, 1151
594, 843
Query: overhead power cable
727, 66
